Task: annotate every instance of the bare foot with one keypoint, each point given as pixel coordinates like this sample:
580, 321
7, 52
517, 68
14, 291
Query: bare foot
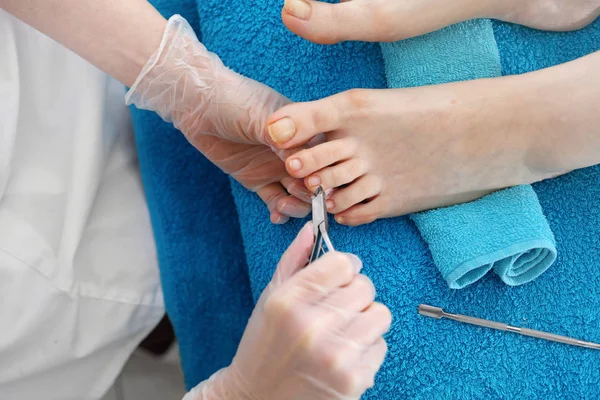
397, 151
391, 20
551, 15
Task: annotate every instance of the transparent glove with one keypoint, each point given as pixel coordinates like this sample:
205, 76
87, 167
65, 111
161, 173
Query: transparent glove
221, 113
315, 334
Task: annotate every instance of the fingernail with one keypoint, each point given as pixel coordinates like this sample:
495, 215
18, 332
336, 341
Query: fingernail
330, 205
282, 130
298, 8
314, 181
280, 219
295, 164
356, 262
291, 210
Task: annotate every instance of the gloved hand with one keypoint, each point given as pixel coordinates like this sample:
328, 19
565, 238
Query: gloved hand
221, 113
315, 334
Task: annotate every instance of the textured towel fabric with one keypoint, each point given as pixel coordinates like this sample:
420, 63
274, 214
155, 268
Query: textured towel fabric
201, 257
507, 230
300, 70
447, 55
428, 359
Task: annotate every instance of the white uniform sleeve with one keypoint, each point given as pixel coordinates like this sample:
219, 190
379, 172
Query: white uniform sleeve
79, 283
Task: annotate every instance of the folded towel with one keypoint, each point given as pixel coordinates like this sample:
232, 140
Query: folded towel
507, 230
202, 263
444, 56
427, 358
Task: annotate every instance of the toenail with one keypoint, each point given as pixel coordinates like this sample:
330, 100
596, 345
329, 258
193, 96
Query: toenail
297, 8
340, 220
330, 204
314, 181
283, 130
295, 164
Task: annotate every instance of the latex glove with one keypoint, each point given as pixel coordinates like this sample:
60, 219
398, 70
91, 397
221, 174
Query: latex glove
220, 112
315, 334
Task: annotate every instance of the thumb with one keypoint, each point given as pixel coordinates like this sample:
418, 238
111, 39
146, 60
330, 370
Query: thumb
239, 108
326, 23
296, 256
262, 102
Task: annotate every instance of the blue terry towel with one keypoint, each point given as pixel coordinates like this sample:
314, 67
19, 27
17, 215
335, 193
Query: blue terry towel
201, 257
427, 359
430, 359
507, 230
250, 38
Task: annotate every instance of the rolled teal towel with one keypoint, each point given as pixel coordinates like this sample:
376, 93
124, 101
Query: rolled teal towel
505, 231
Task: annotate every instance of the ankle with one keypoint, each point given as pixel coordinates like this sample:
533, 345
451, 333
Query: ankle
505, 10
553, 15
495, 125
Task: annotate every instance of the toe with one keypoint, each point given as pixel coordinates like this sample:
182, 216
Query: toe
361, 214
296, 124
326, 23
363, 188
308, 161
337, 175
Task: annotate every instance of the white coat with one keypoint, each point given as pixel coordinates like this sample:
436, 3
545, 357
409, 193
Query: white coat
79, 283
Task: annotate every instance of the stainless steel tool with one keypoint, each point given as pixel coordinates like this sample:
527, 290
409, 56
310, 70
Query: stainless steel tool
438, 313
320, 225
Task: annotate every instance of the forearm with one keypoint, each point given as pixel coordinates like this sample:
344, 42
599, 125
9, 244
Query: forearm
118, 36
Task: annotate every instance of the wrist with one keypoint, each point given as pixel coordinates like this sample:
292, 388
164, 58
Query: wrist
141, 41
222, 385
177, 78
228, 384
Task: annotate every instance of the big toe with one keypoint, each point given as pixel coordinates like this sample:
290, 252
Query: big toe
326, 23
